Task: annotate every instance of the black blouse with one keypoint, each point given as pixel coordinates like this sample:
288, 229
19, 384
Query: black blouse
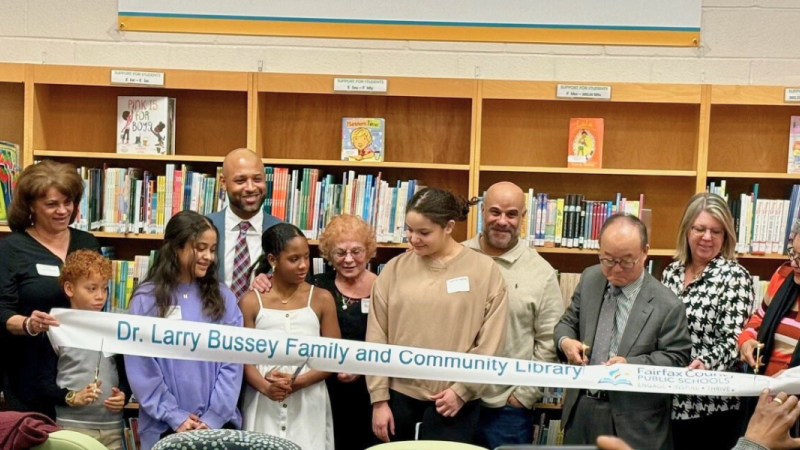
352, 411
29, 282
352, 321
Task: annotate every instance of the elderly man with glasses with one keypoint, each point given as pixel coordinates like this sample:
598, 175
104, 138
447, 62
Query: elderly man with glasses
621, 314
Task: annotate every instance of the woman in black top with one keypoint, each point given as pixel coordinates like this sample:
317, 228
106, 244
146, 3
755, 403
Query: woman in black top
348, 244
45, 203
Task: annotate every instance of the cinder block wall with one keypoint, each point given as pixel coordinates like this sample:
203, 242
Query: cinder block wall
743, 42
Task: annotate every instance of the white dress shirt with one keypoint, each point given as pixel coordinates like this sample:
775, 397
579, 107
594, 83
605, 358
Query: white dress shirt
253, 238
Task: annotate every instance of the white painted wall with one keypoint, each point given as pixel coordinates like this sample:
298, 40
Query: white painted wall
743, 42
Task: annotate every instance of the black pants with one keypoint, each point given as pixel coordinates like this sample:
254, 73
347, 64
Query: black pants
409, 411
714, 432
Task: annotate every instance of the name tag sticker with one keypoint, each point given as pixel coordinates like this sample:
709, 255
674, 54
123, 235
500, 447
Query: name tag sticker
47, 270
460, 284
365, 306
174, 313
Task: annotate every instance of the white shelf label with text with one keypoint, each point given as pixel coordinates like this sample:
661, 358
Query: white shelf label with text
137, 77
582, 91
792, 95
360, 85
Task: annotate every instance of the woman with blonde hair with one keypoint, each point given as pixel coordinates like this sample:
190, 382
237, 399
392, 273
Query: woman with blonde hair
46, 202
348, 243
717, 292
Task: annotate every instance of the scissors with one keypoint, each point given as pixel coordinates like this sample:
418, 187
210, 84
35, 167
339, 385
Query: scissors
97, 367
758, 357
299, 369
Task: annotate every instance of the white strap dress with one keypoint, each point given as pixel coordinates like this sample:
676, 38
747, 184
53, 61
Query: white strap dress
301, 416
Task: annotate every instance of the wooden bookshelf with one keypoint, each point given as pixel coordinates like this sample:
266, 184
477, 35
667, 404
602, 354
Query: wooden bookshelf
428, 132
663, 140
75, 109
12, 104
568, 171
755, 175
576, 251
546, 406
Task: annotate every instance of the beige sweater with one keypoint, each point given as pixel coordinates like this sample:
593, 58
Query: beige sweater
411, 307
534, 308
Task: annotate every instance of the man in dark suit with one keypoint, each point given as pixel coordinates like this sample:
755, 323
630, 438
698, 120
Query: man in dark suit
623, 315
242, 222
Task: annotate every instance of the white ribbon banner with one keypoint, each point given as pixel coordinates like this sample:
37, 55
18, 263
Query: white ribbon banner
164, 338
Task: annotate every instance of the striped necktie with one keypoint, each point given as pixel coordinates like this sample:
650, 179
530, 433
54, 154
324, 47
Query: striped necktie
605, 327
241, 261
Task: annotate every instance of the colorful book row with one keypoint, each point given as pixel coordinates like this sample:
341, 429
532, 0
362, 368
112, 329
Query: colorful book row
129, 200
570, 222
762, 225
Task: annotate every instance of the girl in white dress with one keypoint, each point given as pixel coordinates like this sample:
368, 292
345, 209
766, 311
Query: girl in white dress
298, 410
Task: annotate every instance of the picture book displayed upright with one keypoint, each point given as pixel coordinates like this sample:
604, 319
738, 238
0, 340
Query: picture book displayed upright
585, 143
146, 125
9, 169
794, 146
362, 139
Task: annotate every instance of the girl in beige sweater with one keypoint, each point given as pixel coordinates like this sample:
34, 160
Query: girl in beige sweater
440, 296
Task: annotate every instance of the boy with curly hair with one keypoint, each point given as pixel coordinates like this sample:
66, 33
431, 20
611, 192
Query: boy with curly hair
89, 408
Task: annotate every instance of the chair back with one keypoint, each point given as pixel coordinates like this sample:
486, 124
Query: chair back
70, 440
225, 440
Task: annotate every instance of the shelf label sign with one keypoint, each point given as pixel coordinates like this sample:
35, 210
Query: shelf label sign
360, 85
137, 77
585, 92
792, 95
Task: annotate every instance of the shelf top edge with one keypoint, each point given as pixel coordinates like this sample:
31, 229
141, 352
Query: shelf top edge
281, 83
270, 161
620, 92
12, 72
572, 171
173, 78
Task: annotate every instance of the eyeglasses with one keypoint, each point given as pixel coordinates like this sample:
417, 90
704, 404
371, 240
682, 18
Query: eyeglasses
355, 252
793, 256
701, 231
624, 263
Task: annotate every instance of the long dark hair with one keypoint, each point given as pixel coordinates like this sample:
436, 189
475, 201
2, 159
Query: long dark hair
165, 273
273, 242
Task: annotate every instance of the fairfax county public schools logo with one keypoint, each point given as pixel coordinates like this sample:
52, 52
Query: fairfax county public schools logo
616, 377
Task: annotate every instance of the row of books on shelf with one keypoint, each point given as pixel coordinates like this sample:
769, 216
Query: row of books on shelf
131, 435
131, 200
9, 170
571, 222
762, 225
308, 200
125, 276
552, 396
552, 434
